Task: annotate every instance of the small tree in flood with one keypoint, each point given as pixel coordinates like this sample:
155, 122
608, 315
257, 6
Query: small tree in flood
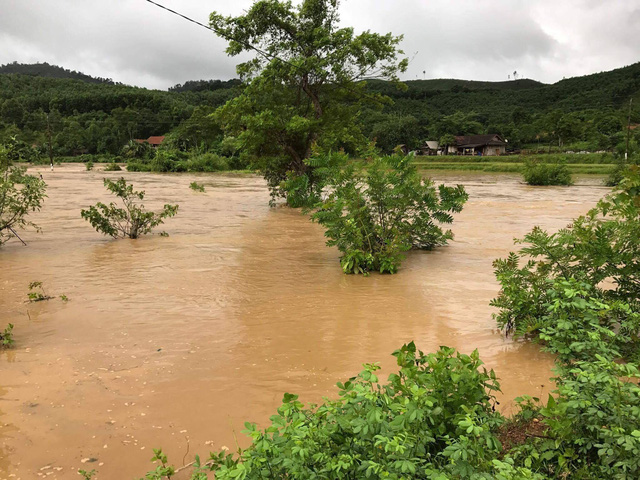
19, 194
376, 213
132, 220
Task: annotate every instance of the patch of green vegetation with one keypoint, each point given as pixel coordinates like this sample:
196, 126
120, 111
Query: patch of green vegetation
166, 161
20, 194
89, 165
597, 248
129, 221
6, 337
542, 174
37, 293
377, 210
196, 187
112, 167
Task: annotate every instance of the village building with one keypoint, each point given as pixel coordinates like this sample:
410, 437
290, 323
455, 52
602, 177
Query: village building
485, 145
154, 141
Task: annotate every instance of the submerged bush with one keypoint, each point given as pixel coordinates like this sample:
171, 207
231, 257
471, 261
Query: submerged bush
20, 194
132, 220
112, 167
6, 336
205, 162
196, 187
375, 213
539, 173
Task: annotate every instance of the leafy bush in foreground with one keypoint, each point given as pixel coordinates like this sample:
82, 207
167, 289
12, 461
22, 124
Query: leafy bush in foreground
538, 173
376, 213
132, 220
434, 419
599, 250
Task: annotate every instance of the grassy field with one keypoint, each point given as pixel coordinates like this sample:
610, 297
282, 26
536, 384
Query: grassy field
596, 163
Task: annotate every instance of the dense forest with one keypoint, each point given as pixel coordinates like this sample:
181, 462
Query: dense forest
84, 114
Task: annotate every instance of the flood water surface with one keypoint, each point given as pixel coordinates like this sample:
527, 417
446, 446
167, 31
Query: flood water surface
175, 342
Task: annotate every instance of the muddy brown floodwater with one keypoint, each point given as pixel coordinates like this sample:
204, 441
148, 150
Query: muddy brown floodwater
175, 342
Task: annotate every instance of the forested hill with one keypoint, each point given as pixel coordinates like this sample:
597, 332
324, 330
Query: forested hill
96, 115
52, 71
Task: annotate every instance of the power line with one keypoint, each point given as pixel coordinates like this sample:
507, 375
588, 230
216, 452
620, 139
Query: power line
223, 35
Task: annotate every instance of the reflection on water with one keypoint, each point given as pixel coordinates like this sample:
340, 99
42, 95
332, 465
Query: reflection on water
186, 337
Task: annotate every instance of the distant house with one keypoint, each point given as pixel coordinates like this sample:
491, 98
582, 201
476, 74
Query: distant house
155, 142
430, 147
486, 145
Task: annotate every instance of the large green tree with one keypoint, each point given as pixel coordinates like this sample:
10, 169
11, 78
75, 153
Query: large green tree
304, 86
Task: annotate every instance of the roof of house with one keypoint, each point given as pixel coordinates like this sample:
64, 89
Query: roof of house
155, 140
432, 144
470, 141
151, 140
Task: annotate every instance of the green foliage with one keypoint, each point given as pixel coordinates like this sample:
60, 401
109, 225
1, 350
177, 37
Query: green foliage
89, 165
6, 336
132, 220
587, 273
433, 419
87, 475
164, 470
196, 187
306, 88
592, 425
112, 167
538, 173
20, 194
37, 293
375, 213
168, 162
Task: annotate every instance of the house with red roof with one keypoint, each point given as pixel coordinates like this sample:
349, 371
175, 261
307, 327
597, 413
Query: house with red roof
154, 141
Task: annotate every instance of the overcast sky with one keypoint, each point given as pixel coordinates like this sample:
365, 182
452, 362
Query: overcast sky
135, 42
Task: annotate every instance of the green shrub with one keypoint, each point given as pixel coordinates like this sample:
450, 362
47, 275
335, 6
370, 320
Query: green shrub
196, 187
132, 220
434, 419
207, 162
539, 173
20, 194
112, 167
599, 250
592, 424
6, 337
89, 165
375, 215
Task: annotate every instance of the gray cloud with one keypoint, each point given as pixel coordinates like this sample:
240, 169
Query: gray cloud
135, 42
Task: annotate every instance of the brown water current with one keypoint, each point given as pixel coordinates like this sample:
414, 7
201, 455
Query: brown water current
175, 342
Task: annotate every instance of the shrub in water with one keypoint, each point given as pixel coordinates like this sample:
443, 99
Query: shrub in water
132, 220
112, 167
196, 187
20, 194
6, 336
539, 173
374, 215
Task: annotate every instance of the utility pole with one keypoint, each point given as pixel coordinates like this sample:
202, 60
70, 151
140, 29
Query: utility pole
50, 147
626, 153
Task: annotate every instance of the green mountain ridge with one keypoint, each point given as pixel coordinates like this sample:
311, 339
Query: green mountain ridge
96, 115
